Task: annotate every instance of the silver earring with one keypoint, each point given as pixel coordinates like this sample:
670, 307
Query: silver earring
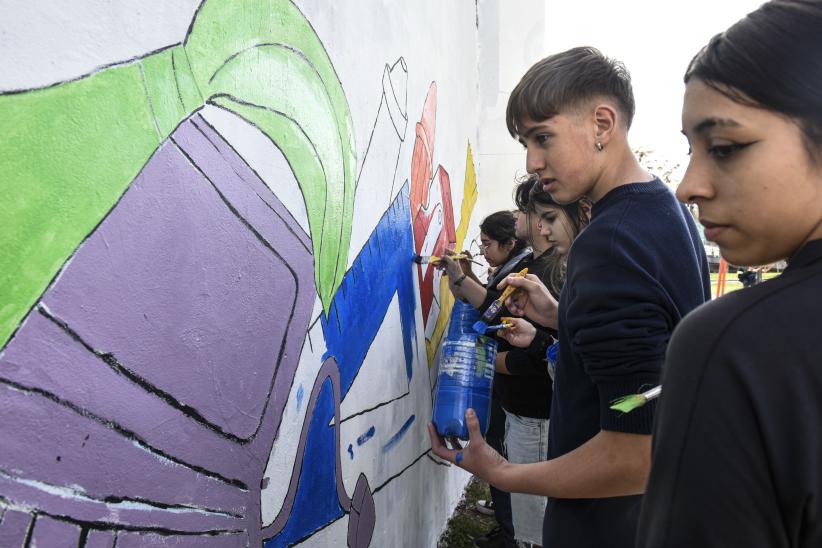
599, 146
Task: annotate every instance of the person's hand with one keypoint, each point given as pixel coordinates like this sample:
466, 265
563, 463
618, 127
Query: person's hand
520, 334
452, 268
533, 299
465, 264
477, 457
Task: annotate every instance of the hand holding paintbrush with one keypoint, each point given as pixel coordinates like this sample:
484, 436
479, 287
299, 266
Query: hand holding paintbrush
533, 299
494, 308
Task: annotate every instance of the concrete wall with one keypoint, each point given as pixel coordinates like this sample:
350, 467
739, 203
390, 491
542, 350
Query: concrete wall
511, 39
211, 331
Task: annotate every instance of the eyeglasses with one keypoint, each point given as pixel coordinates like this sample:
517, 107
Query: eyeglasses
483, 247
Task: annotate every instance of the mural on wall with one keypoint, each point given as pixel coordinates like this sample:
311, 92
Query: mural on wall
188, 354
433, 215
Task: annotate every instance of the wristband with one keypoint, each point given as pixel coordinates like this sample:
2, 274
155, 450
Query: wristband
459, 280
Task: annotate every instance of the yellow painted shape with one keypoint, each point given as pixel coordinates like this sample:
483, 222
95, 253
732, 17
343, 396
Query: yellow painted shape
469, 200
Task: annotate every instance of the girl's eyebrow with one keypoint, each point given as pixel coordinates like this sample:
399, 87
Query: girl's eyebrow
712, 122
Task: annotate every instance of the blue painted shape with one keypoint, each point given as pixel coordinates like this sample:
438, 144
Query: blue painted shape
300, 396
395, 439
367, 436
351, 451
316, 501
382, 268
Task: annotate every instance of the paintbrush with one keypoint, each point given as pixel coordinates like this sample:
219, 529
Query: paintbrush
500, 326
626, 404
491, 312
434, 259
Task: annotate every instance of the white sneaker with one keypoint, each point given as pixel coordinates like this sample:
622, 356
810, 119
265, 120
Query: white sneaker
485, 507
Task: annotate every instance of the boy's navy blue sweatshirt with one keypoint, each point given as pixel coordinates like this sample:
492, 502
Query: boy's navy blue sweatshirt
632, 275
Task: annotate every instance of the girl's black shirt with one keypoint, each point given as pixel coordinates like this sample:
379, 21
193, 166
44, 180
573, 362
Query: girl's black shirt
737, 455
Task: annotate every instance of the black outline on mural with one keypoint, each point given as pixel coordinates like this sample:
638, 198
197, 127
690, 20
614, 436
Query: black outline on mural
383, 404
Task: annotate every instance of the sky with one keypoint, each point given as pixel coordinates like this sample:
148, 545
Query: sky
656, 40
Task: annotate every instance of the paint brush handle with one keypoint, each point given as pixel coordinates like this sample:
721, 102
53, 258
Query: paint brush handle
653, 393
434, 259
495, 307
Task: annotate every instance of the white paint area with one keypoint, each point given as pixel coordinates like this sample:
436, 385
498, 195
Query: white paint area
380, 458
376, 183
382, 376
48, 41
263, 156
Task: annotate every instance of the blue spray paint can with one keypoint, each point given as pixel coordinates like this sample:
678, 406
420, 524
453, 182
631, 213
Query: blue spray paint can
466, 374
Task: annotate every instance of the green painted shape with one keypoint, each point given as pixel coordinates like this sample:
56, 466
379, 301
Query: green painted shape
224, 33
301, 101
69, 152
186, 86
74, 148
165, 102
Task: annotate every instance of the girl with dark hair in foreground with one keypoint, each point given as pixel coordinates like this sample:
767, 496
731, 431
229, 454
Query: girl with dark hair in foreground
737, 458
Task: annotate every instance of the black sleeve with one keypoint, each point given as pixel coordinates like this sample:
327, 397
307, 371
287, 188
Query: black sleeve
530, 361
620, 328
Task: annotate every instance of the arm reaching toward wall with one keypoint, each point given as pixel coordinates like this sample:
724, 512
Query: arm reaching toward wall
611, 464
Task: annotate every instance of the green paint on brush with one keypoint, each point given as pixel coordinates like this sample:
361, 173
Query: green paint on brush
626, 404
71, 150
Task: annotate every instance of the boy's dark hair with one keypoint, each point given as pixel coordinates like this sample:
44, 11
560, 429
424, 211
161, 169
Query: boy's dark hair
565, 80
500, 226
772, 58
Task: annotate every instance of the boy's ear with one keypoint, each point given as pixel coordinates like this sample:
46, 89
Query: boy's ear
605, 118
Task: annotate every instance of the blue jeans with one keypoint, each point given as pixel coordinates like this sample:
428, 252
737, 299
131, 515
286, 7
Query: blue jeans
526, 441
495, 437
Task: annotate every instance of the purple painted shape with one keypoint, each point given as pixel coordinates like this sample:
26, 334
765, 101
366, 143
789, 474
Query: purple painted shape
100, 539
14, 527
205, 314
63, 366
181, 293
51, 532
129, 540
100, 460
362, 515
240, 170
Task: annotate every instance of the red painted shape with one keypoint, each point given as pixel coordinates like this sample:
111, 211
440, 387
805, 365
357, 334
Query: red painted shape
430, 211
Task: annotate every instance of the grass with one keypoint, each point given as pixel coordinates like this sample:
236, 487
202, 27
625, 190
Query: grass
467, 524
